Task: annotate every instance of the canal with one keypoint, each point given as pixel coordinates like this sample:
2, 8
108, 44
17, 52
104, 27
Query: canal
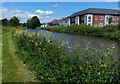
84, 42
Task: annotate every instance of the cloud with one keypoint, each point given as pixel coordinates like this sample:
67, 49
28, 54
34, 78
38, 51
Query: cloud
112, 0
44, 12
21, 14
25, 15
55, 5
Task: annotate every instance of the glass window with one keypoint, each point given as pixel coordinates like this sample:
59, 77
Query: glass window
114, 18
117, 18
83, 18
101, 18
89, 19
89, 24
95, 25
100, 24
96, 18
73, 19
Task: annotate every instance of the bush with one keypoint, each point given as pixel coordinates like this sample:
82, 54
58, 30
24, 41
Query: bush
88, 30
51, 63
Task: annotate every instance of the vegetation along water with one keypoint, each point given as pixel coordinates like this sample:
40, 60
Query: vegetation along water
51, 63
111, 31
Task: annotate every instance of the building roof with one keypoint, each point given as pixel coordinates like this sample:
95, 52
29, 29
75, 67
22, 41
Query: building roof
66, 18
97, 11
54, 22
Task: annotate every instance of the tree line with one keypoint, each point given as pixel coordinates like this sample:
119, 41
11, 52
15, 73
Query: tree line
15, 22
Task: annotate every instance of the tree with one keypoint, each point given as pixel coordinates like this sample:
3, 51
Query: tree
110, 20
14, 22
33, 22
0, 22
4, 22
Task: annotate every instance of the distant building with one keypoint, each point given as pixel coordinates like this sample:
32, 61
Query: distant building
64, 22
94, 17
43, 25
53, 23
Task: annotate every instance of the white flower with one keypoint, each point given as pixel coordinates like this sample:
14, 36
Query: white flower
98, 73
113, 47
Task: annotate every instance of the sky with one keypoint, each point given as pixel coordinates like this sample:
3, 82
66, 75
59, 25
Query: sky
60, 0
48, 11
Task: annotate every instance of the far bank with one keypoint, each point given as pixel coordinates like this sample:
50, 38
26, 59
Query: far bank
110, 32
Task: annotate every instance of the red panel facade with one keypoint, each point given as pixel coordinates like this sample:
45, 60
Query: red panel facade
97, 19
81, 20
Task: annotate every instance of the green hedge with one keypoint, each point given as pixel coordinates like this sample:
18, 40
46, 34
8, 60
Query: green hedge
110, 31
51, 63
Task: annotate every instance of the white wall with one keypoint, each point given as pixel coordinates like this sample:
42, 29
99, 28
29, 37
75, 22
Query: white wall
106, 21
69, 22
77, 20
89, 15
64, 22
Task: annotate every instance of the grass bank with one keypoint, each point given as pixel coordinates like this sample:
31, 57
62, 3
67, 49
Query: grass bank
110, 31
51, 63
13, 70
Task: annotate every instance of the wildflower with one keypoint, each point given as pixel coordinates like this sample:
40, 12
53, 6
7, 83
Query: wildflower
103, 65
89, 66
69, 47
49, 41
113, 47
98, 73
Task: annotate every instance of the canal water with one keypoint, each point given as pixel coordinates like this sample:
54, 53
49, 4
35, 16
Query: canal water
93, 43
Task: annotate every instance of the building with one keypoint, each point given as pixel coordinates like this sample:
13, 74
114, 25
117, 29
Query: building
64, 22
95, 17
43, 25
53, 23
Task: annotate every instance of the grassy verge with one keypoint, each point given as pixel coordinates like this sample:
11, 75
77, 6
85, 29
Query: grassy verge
0, 54
12, 68
51, 63
110, 31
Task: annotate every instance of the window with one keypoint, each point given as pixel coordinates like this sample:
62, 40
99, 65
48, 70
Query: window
117, 18
107, 19
73, 19
114, 18
101, 18
96, 18
89, 19
89, 24
100, 24
83, 18
112, 24
73, 23
95, 25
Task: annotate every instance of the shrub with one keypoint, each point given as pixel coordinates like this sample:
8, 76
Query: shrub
51, 63
88, 30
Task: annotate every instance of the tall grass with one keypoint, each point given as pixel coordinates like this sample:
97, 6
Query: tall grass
110, 31
51, 63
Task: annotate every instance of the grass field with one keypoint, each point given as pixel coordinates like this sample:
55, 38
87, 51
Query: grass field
13, 70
